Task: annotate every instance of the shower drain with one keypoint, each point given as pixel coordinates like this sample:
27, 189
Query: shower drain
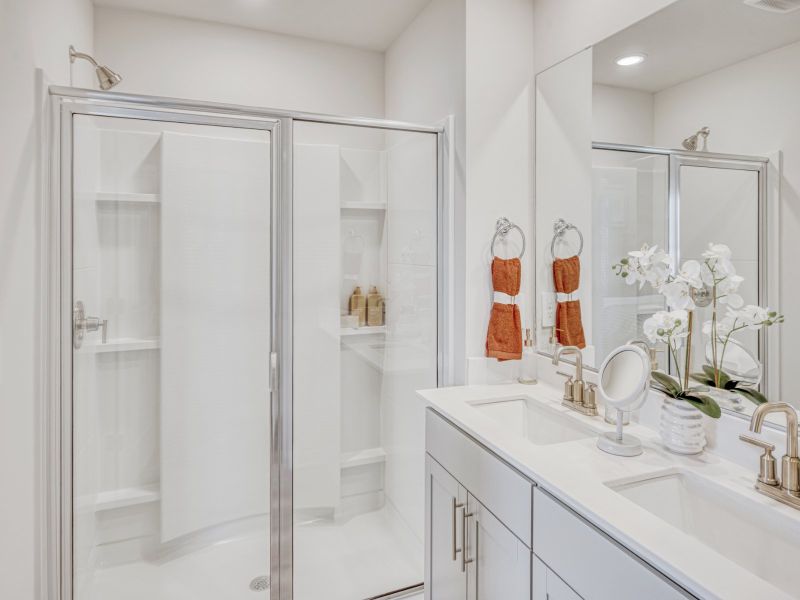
259, 584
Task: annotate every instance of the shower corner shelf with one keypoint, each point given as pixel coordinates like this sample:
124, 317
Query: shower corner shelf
360, 458
122, 345
350, 331
122, 498
363, 206
123, 197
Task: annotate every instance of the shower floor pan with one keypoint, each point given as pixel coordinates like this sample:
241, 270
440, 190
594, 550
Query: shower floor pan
367, 555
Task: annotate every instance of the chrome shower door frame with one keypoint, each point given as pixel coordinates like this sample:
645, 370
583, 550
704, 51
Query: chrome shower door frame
56, 339
57, 510
767, 228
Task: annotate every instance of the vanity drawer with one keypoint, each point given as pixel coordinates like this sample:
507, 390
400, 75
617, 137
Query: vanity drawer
498, 486
595, 566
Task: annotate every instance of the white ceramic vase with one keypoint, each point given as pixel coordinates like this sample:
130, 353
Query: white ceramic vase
682, 427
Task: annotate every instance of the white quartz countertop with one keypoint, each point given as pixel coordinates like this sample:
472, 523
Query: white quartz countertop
576, 472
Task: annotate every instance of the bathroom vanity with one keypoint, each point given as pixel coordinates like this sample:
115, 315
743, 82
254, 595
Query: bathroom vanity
520, 504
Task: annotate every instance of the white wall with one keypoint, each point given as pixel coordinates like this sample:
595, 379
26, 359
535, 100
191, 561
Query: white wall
751, 108
33, 33
169, 56
499, 128
622, 115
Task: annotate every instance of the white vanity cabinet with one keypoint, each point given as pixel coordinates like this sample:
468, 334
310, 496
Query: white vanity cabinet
492, 534
501, 564
472, 555
549, 586
446, 501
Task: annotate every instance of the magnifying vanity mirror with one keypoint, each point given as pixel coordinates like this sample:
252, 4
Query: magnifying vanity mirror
671, 148
624, 379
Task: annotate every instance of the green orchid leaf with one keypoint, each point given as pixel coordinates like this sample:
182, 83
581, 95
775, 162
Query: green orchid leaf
731, 384
670, 383
709, 371
705, 404
662, 389
751, 394
702, 378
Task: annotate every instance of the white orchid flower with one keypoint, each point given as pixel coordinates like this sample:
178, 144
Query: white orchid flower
718, 256
717, 252
692, 273
751, 316
668, 327
678, 294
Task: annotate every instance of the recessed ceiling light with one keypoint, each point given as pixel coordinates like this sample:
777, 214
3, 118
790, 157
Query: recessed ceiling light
632, 59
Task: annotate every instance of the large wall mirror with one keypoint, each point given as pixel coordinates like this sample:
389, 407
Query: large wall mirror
681, 131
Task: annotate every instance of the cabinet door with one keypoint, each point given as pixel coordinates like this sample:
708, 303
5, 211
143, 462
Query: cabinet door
500, 567
549, 586
446, 502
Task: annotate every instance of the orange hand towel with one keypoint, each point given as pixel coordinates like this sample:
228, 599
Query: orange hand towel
506, 275
569, 328
567, 274
504, 339
566, 279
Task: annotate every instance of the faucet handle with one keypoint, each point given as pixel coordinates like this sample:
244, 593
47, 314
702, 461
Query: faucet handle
569, 391
767, 473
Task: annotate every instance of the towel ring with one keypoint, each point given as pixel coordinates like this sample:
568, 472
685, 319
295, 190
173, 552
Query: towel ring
560, 228
503, 227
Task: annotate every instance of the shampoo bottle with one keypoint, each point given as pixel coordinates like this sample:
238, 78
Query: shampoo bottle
358, 306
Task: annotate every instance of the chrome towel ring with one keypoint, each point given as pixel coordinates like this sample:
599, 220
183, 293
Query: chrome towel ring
503, 227
560, 228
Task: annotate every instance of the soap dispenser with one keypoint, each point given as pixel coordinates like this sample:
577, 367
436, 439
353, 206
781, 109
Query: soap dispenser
527, 366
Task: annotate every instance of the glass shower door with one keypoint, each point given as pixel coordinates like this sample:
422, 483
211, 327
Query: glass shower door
365, 339
170, 363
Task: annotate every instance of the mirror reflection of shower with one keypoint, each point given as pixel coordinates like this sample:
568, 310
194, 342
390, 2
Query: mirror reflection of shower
690, 143
106, 77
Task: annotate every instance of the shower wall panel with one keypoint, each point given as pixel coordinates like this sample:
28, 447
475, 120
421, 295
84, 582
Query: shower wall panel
214, 331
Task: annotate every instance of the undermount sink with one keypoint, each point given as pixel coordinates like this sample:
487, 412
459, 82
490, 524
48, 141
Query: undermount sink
757, 538
539, 424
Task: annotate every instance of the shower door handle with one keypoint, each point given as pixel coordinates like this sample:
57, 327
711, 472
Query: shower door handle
81, 325
273, 371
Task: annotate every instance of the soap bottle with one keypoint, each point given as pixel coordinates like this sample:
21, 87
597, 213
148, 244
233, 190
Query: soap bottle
374, 308
527, 366
358, 306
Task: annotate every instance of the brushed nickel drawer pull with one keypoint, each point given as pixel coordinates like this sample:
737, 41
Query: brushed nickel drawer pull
464, 560
454, 506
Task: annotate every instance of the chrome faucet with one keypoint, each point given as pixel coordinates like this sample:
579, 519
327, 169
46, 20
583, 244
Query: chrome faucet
652, 352
577, 394
787, 489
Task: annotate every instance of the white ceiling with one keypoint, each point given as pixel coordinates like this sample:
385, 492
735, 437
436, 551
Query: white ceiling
371, 24
691, 38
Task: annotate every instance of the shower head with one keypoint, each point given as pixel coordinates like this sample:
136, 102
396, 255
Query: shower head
105, 76
690, 143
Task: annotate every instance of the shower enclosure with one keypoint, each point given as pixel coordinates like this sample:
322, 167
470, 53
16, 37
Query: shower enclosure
679, 201
244, 302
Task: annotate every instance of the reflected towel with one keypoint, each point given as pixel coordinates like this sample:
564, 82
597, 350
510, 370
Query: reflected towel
506, 275
567, 274
504, 338
566, 279
569, 328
